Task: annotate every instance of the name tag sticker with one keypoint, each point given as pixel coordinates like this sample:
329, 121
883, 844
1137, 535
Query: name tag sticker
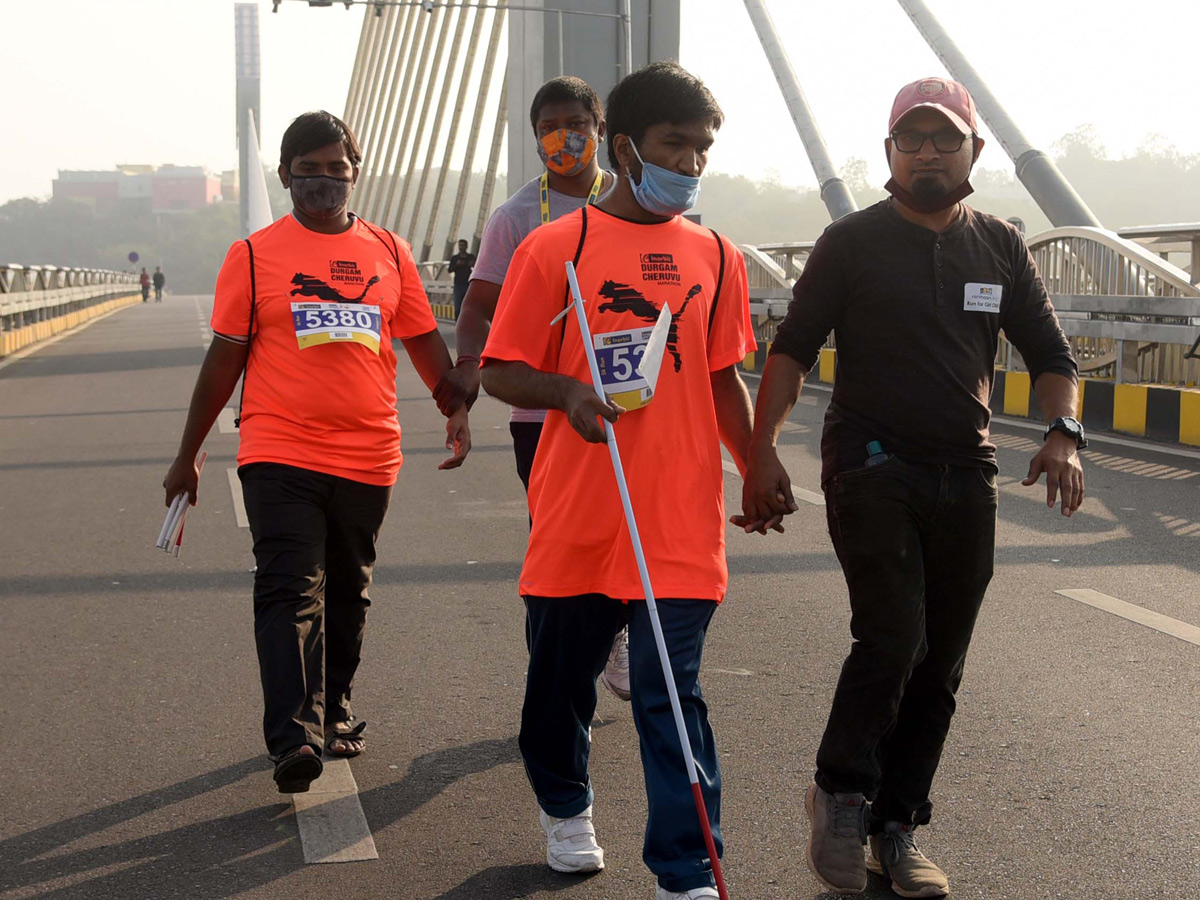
617, 355
327, 323
982, 297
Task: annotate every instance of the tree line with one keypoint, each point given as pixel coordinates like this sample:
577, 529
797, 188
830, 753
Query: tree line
1155, 184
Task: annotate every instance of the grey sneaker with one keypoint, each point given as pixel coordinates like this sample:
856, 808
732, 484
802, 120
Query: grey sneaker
615, 676
838, 831
894, 854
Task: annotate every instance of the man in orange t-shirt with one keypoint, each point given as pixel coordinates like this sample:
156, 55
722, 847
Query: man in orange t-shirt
634, 253
308, 307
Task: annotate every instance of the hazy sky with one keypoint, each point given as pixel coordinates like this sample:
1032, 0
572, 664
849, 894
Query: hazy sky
90, 84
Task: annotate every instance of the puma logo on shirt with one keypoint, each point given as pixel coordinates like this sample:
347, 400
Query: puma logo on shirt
623, 298
311, 286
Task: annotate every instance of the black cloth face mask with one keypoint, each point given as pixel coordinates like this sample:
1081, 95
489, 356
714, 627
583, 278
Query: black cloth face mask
320, 196
928, 207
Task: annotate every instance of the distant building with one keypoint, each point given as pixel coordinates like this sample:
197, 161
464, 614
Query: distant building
159, 190
179, 188
229, 186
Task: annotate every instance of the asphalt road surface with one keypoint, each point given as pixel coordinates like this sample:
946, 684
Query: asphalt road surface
133, 764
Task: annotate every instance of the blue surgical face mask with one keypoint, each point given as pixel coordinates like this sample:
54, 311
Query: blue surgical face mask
661, 191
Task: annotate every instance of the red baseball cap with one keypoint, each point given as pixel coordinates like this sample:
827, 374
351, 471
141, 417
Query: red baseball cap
948, 97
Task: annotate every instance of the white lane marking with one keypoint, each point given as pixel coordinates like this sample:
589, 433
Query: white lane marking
744, 673
205, 333
333, 827
808, 496
1157, 621
798, 492
225, 421
239, 502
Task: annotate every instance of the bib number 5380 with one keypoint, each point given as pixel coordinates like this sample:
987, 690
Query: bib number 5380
334, 318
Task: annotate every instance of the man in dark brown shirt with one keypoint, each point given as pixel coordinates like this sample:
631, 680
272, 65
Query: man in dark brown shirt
917, 289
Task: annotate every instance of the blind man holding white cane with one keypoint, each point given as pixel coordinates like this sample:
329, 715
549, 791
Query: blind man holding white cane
634, 256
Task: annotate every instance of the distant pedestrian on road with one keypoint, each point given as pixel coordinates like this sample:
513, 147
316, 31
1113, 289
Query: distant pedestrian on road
635, 254
310, 306
917, 289
461, 264
145, 282
159, 281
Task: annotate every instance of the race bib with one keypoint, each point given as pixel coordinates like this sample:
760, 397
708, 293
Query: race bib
982, 297
617, 355
326, 323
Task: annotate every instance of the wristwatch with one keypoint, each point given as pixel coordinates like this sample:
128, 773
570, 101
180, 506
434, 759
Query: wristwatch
1071, 428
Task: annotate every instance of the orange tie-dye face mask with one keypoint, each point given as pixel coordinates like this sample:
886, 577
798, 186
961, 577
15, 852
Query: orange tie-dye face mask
566, 152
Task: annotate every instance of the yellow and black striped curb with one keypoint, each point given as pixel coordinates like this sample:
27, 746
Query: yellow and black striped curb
19, 338
443, 311
1145, 410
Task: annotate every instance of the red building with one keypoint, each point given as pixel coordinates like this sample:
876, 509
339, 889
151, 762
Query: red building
163, 190
179, 188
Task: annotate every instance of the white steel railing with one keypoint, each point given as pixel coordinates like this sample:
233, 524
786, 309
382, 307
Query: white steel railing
1129, 314
30, 294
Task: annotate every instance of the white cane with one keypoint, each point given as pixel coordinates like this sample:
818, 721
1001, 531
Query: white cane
651, 606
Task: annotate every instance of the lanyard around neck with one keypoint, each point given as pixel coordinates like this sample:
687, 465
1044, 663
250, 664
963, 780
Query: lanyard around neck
545, 193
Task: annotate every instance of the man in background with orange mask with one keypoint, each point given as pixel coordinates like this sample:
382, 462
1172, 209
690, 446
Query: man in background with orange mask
568, 120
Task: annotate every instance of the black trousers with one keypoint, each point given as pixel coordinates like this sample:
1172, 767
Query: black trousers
314, 543
916, 544
525, 437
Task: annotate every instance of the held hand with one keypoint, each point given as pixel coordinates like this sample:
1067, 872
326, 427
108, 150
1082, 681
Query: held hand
1060, 461
582, 408
183, 476
458, 439
766, 494
458, 386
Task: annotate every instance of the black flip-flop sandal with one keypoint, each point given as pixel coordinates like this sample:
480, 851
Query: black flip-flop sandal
295, 771
344, 731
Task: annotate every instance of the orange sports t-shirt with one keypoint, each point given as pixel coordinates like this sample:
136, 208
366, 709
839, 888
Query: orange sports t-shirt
321, 382
670, 448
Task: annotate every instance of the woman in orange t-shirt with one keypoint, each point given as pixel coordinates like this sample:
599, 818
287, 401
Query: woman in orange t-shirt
634, 253
308, 308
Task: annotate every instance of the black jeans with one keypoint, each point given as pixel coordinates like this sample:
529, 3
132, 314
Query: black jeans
525, 437
460, 291
916, 544
314, 543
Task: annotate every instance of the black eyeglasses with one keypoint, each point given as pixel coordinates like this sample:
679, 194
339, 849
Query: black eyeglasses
949, 141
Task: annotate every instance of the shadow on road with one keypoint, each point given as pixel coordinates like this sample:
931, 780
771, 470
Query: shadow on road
511, 883
226, 856
60, 364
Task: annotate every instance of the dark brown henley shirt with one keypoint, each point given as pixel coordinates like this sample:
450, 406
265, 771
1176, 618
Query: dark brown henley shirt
916, 317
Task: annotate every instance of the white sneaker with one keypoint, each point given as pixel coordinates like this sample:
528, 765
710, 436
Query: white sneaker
700, 893
615, 676
571, 843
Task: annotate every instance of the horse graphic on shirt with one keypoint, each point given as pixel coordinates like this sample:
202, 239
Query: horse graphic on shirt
623, 298
311, 286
